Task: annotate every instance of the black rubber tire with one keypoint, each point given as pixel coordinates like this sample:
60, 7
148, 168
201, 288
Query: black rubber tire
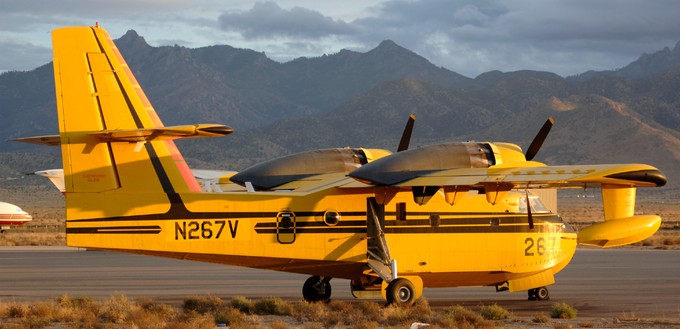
532, 294
401, 292
316, 289
542, 293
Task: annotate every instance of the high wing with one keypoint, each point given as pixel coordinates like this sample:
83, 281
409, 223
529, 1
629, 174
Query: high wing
481, 165
537, 176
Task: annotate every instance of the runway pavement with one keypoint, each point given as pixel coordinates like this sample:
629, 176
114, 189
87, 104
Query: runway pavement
599, 283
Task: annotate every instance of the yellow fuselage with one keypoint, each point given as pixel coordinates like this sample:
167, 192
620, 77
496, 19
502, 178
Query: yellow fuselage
471, 243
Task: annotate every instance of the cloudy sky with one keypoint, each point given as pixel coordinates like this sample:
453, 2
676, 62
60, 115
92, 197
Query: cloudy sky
469, 37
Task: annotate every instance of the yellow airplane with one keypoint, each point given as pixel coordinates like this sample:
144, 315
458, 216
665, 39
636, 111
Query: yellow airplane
452, 214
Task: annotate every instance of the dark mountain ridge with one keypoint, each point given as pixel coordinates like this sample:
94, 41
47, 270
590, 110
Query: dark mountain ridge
644, 66
363, 99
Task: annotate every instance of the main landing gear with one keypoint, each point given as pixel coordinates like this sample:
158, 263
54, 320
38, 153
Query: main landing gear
380, 272
540, 293
317, 289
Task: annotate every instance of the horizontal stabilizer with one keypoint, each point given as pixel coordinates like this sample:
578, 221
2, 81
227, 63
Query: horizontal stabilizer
139, 135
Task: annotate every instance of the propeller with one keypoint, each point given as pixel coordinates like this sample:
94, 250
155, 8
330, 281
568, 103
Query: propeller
406, 135
539, 139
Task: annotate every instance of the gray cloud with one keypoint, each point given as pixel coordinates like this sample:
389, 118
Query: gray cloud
22, 56
562, 36
268, 20
467, 36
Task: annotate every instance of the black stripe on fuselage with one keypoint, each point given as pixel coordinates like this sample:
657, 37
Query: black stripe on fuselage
497, 224
115, 230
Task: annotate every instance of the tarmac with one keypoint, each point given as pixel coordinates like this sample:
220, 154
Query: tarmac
599, 283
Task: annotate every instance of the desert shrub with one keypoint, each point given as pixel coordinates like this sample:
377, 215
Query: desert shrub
563, 311
154, 307
192, 320
370, 311
303, 311
540, 318
242, 304
203, 305
144, 319
463, 314
18, 310
395, 315
272, 306
117, 309
230, 317
461, 317
494, 312
80, 310
48, 311
340, 306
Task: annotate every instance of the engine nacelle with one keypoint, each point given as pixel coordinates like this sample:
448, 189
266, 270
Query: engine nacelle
405, 165
276, 172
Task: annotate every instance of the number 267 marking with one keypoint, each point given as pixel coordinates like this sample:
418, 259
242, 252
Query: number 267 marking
538, 246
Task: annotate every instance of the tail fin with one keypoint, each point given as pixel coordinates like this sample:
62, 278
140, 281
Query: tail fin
111, 138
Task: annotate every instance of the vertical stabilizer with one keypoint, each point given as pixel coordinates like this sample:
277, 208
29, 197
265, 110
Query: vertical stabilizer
97, 96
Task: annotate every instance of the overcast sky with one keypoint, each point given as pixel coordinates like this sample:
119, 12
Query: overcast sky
566, 37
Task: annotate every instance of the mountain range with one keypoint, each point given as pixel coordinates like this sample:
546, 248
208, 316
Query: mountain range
631, 114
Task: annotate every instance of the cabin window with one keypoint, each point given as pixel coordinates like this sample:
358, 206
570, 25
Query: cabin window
536, 205
285, 227
401, 211
331, 217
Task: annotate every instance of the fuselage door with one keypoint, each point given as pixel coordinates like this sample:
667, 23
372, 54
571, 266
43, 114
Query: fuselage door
285, 227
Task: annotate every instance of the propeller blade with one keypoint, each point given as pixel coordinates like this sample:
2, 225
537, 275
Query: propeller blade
406, 135
539, 139
530, 218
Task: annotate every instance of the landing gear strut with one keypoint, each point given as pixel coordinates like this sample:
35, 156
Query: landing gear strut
317, 289
540, 293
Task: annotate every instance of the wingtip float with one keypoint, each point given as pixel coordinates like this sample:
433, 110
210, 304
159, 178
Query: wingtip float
453, 214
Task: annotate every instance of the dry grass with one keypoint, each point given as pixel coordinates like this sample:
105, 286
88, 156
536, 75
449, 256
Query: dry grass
207, 312
20, 238
563, 311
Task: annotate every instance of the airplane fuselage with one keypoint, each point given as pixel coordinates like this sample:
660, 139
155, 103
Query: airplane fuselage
472, 243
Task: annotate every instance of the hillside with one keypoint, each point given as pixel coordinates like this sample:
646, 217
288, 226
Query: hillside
363, 99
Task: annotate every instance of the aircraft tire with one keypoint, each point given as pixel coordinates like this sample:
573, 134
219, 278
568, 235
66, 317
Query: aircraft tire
401, 292
542, 293
316, 289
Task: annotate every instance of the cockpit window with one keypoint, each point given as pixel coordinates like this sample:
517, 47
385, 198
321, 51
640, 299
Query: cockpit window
536, 205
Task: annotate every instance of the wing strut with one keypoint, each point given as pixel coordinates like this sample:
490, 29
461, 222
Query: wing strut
378, 253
